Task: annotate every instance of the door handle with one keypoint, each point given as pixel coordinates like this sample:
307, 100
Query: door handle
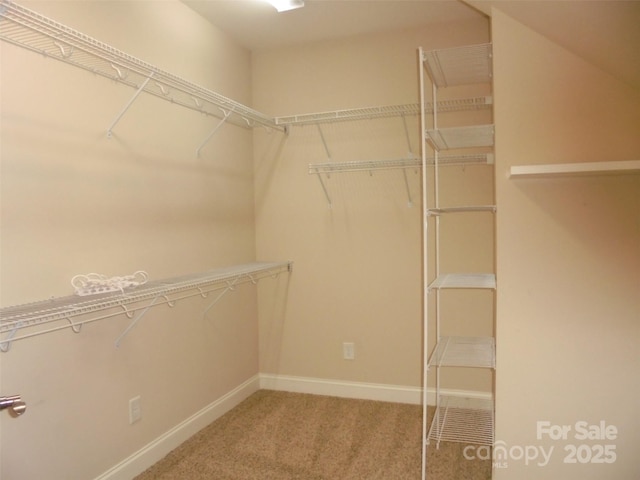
15, 405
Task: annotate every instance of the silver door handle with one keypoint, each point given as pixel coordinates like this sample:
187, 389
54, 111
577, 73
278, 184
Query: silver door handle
14, 403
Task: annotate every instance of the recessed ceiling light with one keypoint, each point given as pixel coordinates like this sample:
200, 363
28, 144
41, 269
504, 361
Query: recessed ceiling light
285, 5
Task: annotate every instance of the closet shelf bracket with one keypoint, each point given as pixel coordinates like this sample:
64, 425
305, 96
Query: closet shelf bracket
324, 187
128, 105
135, 321
230, 288
324, 142
226, 115
411, 155
326, 149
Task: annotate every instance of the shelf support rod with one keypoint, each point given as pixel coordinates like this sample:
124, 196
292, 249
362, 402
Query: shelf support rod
404, 171
126, 107
324, 142
326, 149
324, 189
135, 321
5, 344
216, 128
230, 287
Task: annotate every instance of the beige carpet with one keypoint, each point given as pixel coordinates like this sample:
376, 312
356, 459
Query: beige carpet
285, 436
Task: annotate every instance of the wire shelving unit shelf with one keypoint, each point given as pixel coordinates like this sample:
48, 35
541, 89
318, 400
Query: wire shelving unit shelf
477, 352
466, 65
464, 280
463, 420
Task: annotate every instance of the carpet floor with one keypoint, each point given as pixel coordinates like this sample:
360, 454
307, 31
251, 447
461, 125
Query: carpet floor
286, 436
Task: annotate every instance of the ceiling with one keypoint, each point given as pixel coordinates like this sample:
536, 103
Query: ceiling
256, 25
604, 32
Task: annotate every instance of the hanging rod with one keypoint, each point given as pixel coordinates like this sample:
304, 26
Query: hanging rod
366, 113
33, 31
29, 320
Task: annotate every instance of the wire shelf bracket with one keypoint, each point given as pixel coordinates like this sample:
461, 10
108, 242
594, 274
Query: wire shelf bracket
135, 322
128, 105
326, 149
226, 116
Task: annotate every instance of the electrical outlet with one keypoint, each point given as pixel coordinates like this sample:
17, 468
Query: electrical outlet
348, 351
135, 410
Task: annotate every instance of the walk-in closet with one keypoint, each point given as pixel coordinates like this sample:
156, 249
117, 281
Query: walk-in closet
350, 239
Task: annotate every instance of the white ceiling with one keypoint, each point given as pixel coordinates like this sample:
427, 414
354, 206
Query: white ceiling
604, 32
256, 25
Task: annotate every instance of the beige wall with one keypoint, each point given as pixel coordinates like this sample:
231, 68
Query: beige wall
357, 273
568, 257
74, 201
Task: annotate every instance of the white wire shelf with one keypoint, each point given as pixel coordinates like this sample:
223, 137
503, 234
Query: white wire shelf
581, 168
463, 209
28, 29
464, 280
461, 137
459, 65
463, 420
411, 162
366, 113
28, 320
479, 352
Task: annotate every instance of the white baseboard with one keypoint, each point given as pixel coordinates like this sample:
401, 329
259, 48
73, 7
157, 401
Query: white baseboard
367, 391
161, 446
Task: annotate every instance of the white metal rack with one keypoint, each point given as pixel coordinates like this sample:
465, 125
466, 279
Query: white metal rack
463, 419
464, 352
29, 320
470, 208
461, 137
455, 419
28, 29
464, 65
464, 280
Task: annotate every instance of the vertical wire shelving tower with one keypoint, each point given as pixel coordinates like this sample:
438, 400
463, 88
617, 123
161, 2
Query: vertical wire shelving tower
456, 419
